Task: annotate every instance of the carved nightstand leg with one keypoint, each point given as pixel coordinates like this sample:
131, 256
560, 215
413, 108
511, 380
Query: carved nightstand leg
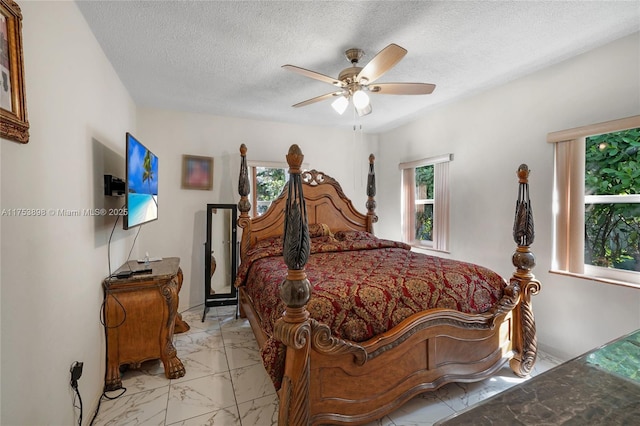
181, 326
113, 380
173, 368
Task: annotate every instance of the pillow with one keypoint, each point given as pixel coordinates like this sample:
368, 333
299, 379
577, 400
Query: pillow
267, 242
319, 230
321, 241
353, 235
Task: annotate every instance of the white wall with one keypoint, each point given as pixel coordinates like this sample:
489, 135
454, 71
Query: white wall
52, 267
180, 229
490, 135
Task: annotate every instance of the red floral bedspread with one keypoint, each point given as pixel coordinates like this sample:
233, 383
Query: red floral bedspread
363, 286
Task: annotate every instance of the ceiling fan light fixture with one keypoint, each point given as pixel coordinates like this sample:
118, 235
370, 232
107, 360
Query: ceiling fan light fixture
355, 81
364, 111
360, 100
340, 104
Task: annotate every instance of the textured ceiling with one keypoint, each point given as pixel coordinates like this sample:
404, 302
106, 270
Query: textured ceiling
225, 57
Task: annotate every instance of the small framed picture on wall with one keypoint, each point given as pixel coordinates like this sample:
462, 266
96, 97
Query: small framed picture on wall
197, 172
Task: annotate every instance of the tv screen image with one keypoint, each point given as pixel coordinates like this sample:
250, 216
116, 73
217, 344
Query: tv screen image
141, 184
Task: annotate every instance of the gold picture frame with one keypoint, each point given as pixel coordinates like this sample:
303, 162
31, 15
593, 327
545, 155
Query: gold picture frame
13, 104
197, 172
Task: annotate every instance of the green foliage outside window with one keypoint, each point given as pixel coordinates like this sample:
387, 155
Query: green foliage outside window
424, 213
269, 182
612, 231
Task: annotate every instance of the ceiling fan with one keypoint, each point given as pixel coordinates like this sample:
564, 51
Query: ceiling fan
354, 82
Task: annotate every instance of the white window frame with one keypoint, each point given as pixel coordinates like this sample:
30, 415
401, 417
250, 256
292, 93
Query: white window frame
569, 201
440, 202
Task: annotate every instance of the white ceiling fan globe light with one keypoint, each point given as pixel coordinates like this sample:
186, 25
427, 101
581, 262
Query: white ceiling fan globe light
340, 104
360, 99
364, 111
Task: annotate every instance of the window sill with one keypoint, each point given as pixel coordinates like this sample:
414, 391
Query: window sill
597, 279
427, 248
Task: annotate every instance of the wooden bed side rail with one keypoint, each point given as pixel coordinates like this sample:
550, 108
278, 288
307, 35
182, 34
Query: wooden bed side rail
524, 339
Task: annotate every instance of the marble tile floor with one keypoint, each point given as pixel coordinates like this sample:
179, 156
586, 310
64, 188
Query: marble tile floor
226, 384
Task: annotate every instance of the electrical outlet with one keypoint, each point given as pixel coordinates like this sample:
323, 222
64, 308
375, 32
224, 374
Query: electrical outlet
76, 372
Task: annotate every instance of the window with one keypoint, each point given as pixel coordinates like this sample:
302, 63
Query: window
597, 201
267, 182
425, 201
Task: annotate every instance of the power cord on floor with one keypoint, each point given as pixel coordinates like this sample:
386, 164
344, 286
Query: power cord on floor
76, 372
105, 396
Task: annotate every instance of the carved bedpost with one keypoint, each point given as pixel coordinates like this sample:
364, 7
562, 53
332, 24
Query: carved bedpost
294, 328
524, 336
371, 193
244, 206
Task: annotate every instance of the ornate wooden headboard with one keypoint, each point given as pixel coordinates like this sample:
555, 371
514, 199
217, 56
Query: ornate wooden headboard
325, 201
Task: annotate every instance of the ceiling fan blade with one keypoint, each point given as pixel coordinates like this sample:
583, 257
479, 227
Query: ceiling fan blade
402, 88
382, 62
317, 99
314, 75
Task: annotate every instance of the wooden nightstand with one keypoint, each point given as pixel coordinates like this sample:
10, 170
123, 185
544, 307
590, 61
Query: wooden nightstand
140, 317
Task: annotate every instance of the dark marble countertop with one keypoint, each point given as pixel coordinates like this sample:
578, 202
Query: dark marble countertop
601, 387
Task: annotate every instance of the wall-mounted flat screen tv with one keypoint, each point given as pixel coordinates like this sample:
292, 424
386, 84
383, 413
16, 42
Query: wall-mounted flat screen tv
141, 199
